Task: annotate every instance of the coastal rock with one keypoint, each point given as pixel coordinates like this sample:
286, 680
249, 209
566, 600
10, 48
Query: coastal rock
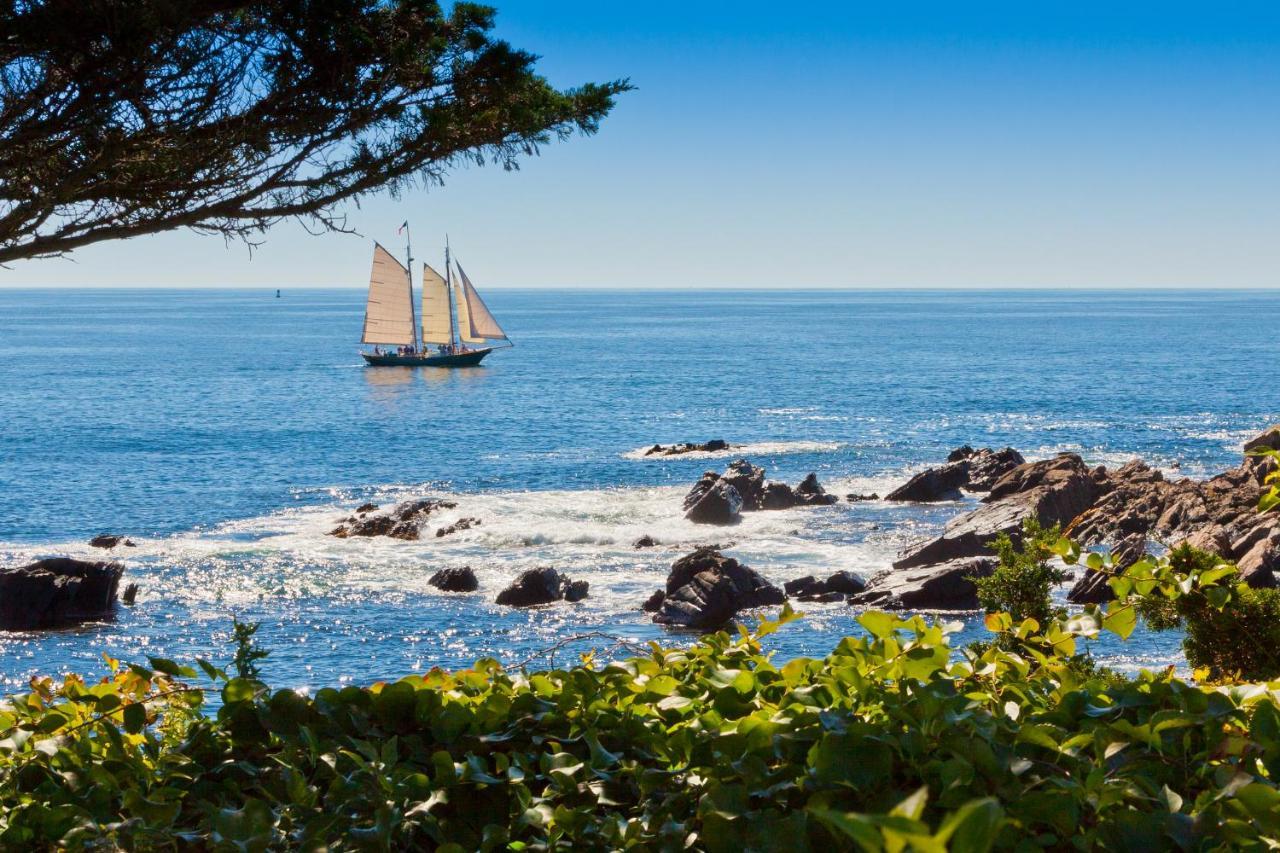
986, 466
1268, 439
541, 586
706, 589
1093, 587
933, 484
854, 497
714, 446
460, 524
811, 493
753, 491
57, 592
461, 579
645, 541
364, 508
945, 586
721, 504
404, 521
130, 594
835, 587
1259, 564
705, 484
1053, 491
748, 479
778, 496
110, 540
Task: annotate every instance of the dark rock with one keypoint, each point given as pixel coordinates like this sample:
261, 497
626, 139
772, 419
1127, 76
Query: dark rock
748, 479
839, 585
705, 484
714, 446
986, 466
1053, 491
654, 602
960, 453
778, 496
720, 505
364, 508
56, 592
460, 524
1268, 439
854, 497
130, 594
461, 579
811, 493
1093, 586
110, 540
645, 541
945, 586
706, 589
846, 583
403, 521
933, 484
541, 586
807, 585
1258, 565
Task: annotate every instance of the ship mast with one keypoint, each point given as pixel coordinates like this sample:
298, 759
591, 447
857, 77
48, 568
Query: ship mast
448, 288
408, 254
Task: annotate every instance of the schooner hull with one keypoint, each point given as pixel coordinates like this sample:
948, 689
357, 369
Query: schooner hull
462, 359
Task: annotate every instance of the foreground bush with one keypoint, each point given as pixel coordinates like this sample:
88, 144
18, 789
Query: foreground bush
893, 741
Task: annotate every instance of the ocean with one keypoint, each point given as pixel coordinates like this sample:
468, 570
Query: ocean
226, 431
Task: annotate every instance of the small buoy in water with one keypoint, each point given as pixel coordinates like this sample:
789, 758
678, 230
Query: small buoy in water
277, 293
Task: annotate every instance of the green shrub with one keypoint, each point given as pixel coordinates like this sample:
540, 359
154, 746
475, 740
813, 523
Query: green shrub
1023, 578
893, 741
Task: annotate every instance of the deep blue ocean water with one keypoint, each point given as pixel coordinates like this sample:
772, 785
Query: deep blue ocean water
227, 431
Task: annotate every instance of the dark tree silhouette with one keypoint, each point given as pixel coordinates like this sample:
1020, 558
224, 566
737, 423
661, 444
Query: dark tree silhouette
127, 117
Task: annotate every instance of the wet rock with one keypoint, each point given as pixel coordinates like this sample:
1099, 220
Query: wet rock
461, 579
645, 541
403, 521
654, 602
705, 484
541, 586
130, 594
364, 508
778, 496
837, 586
57, 592
706, 589
714, 446
1093, 586
720, 505
110, 540
460, 524
1053, 491
748, 479
944, 586
854, 497
986, 466
811, 493
933, 484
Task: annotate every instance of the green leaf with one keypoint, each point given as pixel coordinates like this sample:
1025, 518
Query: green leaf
135, 717
1121, 619
973, 827
879, 624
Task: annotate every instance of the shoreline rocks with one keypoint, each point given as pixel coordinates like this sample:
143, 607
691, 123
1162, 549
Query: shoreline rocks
706, 589
941, 586
836, 587
542, 586
965, 469
110, 540
460, 524
712, 498
57, 592
403, 521
461, 579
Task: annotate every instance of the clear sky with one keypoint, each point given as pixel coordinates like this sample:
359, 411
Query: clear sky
841, 145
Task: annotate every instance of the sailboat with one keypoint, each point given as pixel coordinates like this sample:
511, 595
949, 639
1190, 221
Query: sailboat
454, 317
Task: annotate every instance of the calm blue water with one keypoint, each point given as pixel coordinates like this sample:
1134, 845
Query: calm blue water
227, 431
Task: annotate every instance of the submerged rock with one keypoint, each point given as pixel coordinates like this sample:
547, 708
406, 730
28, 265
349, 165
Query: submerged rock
714, 446
364, 508
945, 586
706, 589
403, 521
461, 579
57, 592
110, 540
835, 587
645, 541
542, 586
460, 524
854, 497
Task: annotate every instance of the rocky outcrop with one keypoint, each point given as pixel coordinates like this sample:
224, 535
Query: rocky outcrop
811, 493
945, 586
404, 521
855, 497
716, 445
706, 589
366, 507
1053, 491
934, 484
720, 504
748, 479
645, 541
754, 492
110, 540
461, 579
834, 588
57, 592
966, 469
542, 586
460, 524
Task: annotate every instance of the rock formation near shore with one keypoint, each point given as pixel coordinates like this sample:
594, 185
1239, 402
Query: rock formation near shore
110, 540
542, 586
713, 499
455, 580
403, 521
706, 589
835, 588
965, 469
944, 586
57, 592
714, 446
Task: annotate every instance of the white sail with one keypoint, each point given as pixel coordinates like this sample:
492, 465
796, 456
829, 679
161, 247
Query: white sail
463, 315
388, 316
481, 324
435, 308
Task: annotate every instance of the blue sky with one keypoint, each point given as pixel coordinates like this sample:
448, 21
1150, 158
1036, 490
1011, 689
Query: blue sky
841, 145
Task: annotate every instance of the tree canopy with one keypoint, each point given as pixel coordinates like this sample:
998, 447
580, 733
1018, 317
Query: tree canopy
120, 118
